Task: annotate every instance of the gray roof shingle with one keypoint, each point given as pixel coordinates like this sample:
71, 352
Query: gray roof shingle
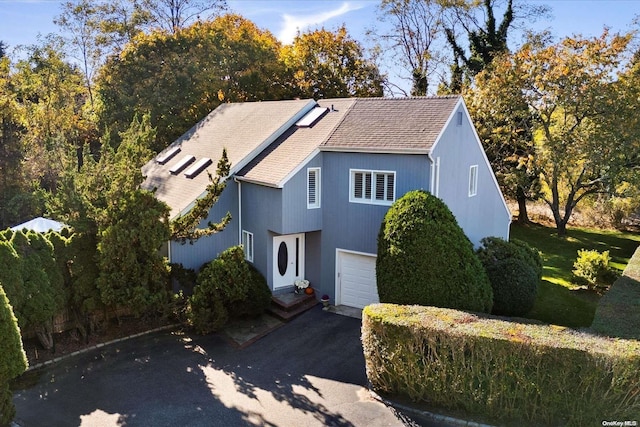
244, 129
241, 128
282, 157
392, 124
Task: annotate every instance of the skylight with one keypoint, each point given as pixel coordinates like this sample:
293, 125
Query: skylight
186, 160
311, 117
168, 155
194, 170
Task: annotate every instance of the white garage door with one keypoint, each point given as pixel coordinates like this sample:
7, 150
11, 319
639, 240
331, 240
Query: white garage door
357, 279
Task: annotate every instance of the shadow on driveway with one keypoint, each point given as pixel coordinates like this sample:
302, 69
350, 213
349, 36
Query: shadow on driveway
308, 372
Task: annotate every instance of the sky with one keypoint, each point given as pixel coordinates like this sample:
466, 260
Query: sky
22, 21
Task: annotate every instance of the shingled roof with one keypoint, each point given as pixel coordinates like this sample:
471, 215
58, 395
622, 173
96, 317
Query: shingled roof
281, 158
244, 129
392, 124
265, 146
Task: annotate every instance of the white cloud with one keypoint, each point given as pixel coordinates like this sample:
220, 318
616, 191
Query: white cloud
292, 23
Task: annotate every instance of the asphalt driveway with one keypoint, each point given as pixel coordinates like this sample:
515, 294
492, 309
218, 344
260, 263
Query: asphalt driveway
309, 372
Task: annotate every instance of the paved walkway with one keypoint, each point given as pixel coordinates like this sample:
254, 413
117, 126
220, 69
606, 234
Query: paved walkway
309, 372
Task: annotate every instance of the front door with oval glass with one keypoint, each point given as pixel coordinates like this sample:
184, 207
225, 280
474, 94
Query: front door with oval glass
288, 260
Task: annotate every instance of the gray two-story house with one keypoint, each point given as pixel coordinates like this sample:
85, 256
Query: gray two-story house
311, 181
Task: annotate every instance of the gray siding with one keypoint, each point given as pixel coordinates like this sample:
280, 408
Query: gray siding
485, 213
207, 248
262, 216
355, 226
296, 218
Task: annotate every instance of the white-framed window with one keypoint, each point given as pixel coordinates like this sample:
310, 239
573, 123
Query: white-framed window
375, 187
313, 188
459, 118
473, 180
247, 245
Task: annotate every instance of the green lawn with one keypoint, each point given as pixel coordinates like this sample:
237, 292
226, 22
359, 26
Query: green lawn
558, 301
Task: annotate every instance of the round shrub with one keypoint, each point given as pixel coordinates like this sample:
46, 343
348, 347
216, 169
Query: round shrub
514, 269
425, 258
258, 296
592, 269
495, 249
227, 287
515, 285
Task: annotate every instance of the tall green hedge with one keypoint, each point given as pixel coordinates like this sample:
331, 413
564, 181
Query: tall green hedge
13, 360
34, 283
425, 258
522, 374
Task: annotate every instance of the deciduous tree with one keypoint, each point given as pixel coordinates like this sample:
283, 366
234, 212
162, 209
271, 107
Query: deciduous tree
175, 15
179, 78
324, 64
583, 142
51, 96
415, 38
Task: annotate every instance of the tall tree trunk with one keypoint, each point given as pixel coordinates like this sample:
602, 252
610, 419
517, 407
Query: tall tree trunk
523, 215
561, 227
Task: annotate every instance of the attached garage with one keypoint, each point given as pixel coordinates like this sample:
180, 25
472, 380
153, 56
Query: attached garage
356, 279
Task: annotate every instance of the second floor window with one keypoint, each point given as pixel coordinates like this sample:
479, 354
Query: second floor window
473, 180
375, 187
313, 188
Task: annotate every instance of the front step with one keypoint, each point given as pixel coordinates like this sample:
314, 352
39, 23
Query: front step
287, 306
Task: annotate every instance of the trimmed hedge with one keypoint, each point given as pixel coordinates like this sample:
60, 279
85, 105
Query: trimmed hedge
509, 372
425, 258
618, 312
13, 360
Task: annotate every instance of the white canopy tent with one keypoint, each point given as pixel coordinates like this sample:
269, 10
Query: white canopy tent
40, 225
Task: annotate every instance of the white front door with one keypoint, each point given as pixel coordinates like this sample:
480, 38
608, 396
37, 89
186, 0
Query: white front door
288, 259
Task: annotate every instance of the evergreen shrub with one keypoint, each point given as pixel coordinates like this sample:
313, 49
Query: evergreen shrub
13, 360
227, 287
514, 270
425, 258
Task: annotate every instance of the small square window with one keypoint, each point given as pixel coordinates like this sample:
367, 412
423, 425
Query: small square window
473, 180
247, 245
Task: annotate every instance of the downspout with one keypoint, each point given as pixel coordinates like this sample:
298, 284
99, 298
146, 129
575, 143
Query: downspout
432, 172
435, 175
239, 209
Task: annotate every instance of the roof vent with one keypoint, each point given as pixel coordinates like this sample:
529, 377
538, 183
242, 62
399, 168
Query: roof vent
183, 163
311, 117
168, 155
194, 170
